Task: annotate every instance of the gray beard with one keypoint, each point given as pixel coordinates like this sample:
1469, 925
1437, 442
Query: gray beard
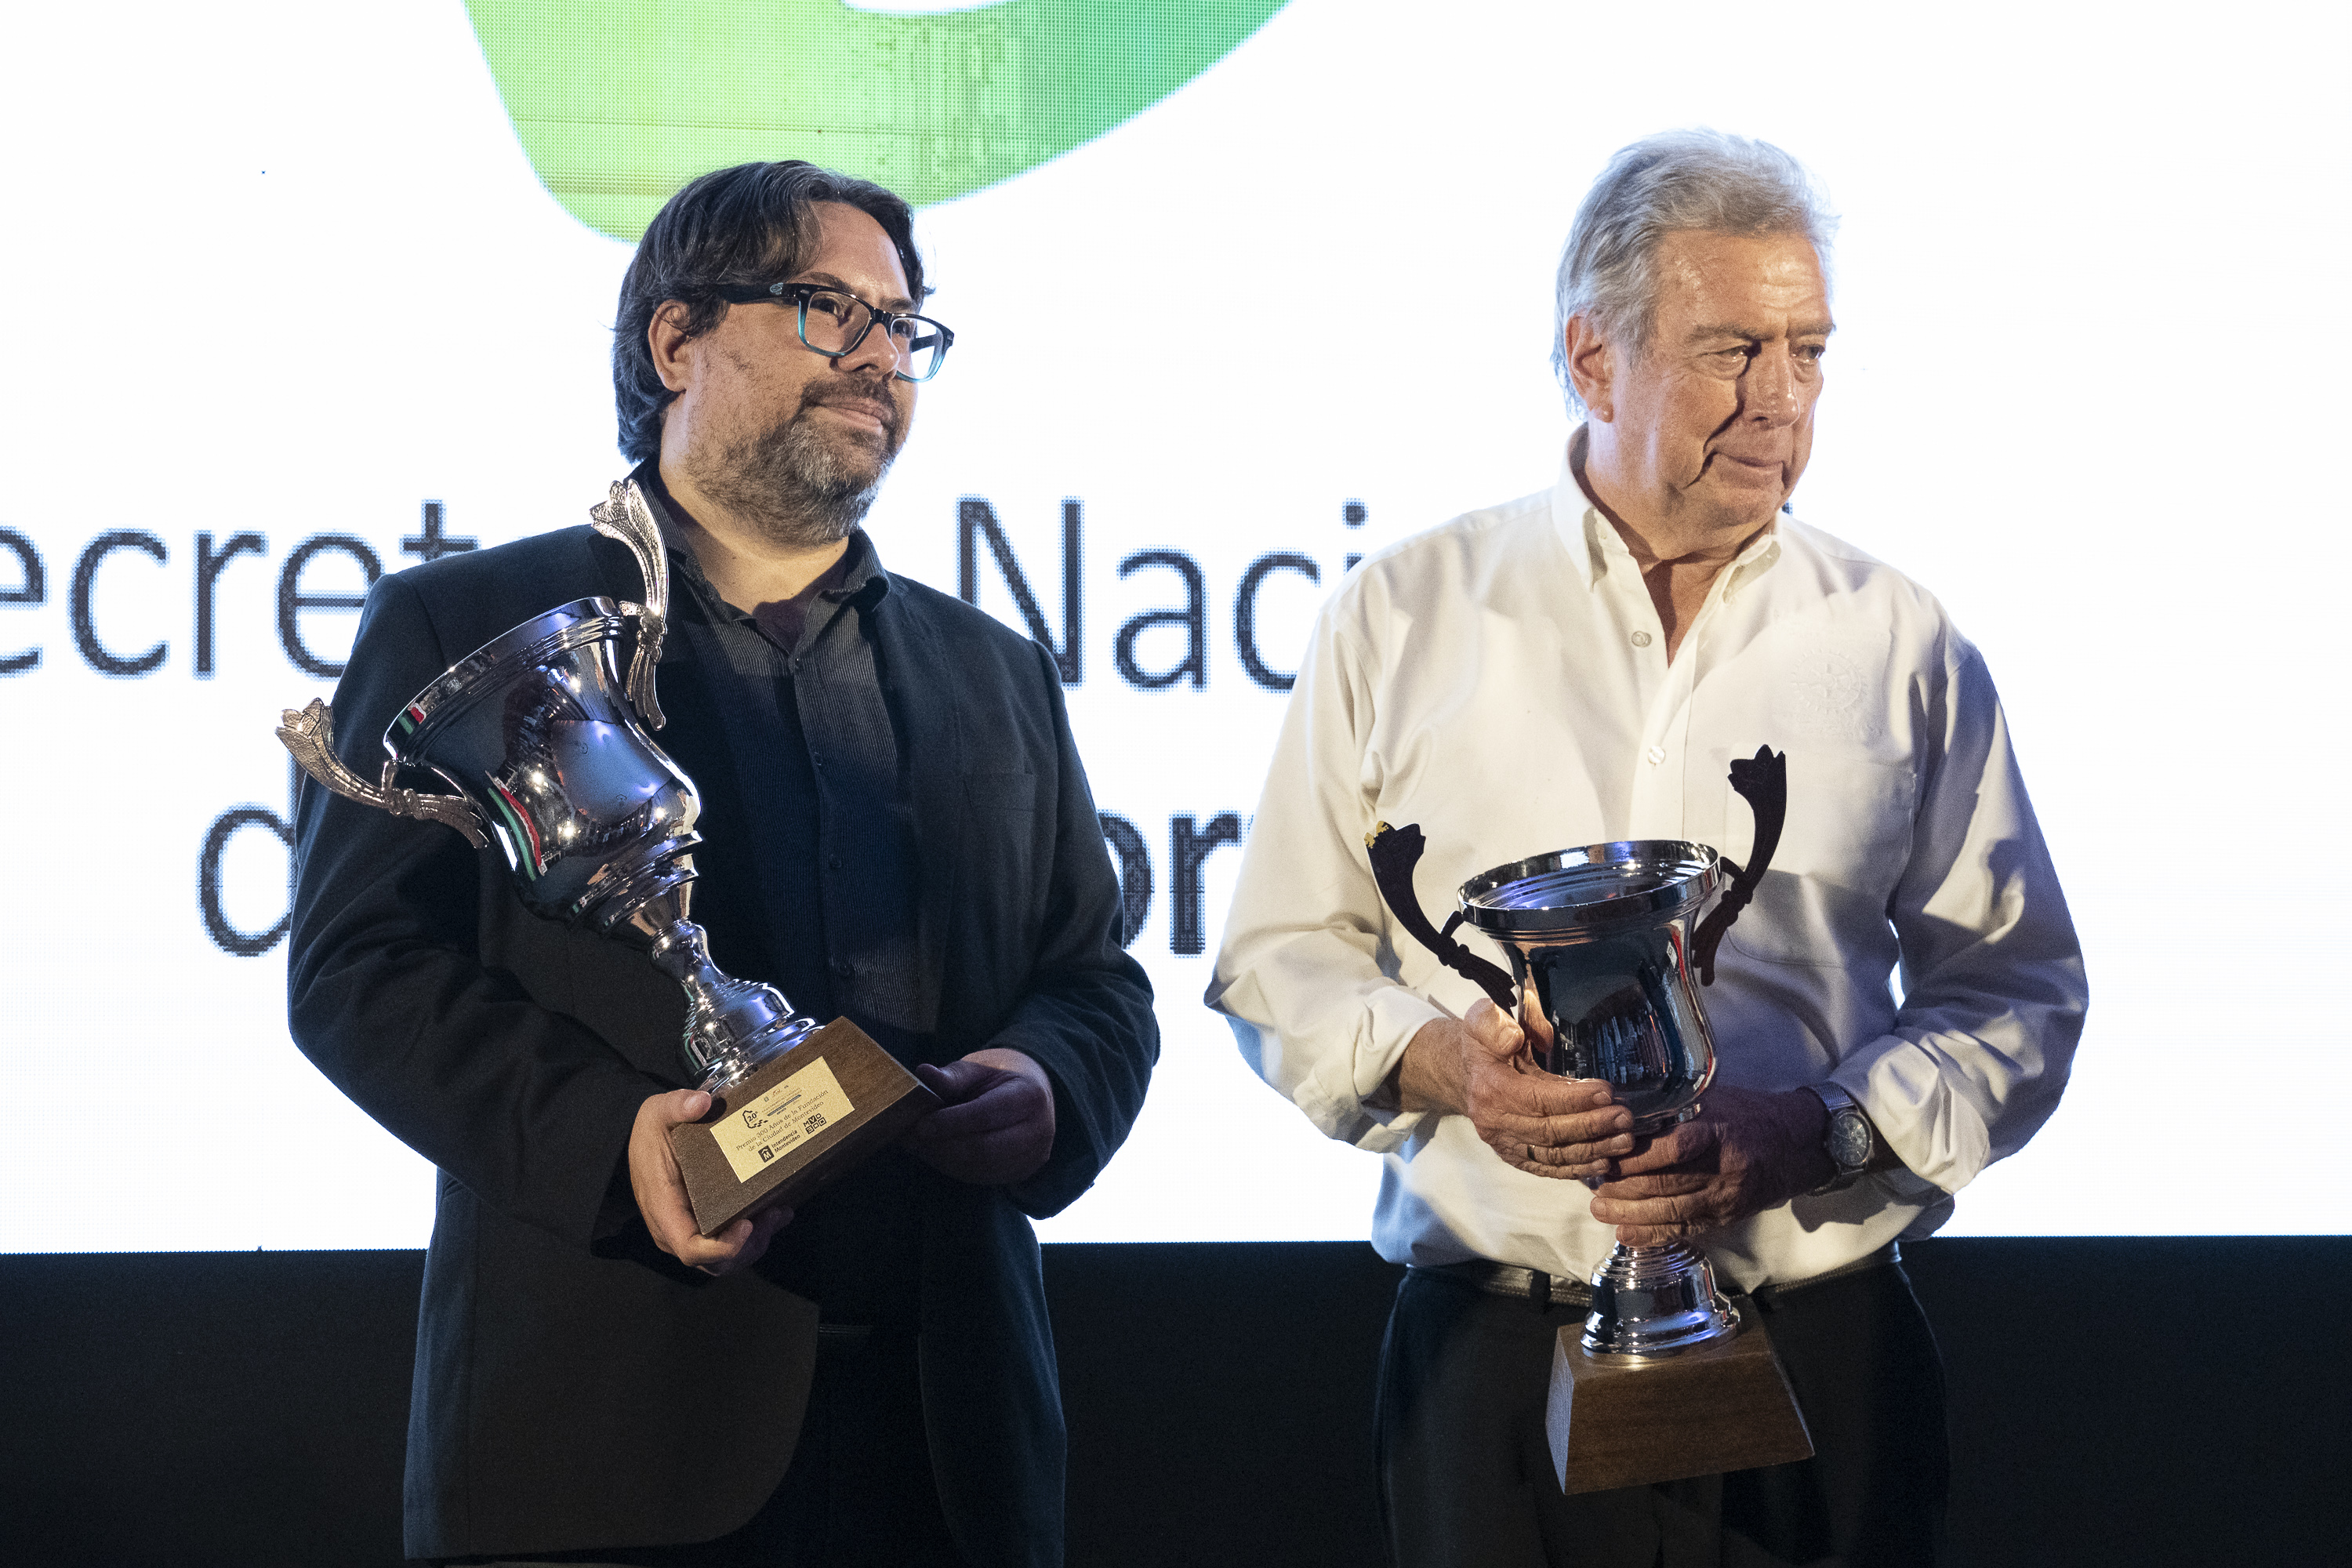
794, 486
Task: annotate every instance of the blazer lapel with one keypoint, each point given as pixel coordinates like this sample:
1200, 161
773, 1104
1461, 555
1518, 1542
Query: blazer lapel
913, 668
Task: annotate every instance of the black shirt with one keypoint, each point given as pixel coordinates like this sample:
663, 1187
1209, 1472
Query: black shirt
820, 771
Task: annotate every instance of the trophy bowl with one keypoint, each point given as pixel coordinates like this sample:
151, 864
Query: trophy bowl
593, 819
534, 734
1603, 934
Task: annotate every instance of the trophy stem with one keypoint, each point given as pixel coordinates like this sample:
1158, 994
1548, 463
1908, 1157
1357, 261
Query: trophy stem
732, 1025
1655, 1301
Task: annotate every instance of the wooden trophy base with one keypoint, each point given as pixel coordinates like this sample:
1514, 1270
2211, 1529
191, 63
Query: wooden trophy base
1717, 1406
795, 1124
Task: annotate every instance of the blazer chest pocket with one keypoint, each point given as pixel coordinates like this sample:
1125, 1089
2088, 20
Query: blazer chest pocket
1000, 792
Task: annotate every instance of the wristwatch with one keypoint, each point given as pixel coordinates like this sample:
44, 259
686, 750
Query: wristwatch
1848, 1142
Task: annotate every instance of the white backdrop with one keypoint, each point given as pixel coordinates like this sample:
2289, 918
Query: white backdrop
284, 271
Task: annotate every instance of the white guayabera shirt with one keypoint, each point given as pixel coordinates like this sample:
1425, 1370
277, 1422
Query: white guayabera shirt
1503, 682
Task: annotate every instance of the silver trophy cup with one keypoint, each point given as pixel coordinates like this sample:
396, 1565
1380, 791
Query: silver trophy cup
544, 746
1603, 934
1615, 942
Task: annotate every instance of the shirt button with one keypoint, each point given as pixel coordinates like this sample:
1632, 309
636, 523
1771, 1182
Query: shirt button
833, 862
841, 966
1656, 754
1641, 639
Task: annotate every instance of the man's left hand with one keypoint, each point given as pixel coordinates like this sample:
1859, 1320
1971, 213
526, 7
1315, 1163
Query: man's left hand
997, 1125
1745, 1152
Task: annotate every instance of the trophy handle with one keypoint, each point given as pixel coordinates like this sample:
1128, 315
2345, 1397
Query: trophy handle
624, 516
1394, 852
309, 735
1762, 781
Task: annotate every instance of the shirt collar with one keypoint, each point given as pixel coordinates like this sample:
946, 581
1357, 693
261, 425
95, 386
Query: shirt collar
1592, 542
1583, 532
1762, 553
859, 580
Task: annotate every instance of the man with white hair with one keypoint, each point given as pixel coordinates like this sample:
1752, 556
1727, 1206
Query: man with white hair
1581, 666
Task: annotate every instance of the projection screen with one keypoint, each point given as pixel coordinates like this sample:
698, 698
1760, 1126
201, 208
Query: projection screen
1242, 292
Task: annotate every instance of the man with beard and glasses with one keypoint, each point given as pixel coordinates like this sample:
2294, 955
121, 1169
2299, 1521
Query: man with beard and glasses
1583, 665
895, 829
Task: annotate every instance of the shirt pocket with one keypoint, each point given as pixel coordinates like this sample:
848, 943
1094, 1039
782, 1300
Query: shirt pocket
1843, 851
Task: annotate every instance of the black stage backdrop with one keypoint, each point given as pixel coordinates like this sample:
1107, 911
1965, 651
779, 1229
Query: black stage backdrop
2114, 1400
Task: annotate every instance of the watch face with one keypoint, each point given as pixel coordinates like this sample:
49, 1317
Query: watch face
1849, 1141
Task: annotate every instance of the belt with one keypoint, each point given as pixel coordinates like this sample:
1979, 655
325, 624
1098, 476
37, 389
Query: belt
1533, 1286
1542, 1291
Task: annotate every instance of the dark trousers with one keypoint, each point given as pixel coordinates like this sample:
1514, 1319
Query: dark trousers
1466, 1472
859, 1492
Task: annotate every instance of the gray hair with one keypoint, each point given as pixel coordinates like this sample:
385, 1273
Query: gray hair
1676, 180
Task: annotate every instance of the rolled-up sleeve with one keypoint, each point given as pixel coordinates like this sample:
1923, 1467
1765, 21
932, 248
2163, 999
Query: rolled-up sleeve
1994, 990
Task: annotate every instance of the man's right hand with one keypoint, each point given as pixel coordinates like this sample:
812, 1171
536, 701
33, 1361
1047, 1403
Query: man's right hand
1479, 1067
661, 1192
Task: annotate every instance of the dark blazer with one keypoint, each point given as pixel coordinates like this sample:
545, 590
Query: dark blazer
575, 1387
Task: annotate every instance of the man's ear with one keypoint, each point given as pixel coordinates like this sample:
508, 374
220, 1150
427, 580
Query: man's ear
667, 338
1591, 367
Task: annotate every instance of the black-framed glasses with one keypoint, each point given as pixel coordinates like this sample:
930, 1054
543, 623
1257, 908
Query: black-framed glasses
833, 321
